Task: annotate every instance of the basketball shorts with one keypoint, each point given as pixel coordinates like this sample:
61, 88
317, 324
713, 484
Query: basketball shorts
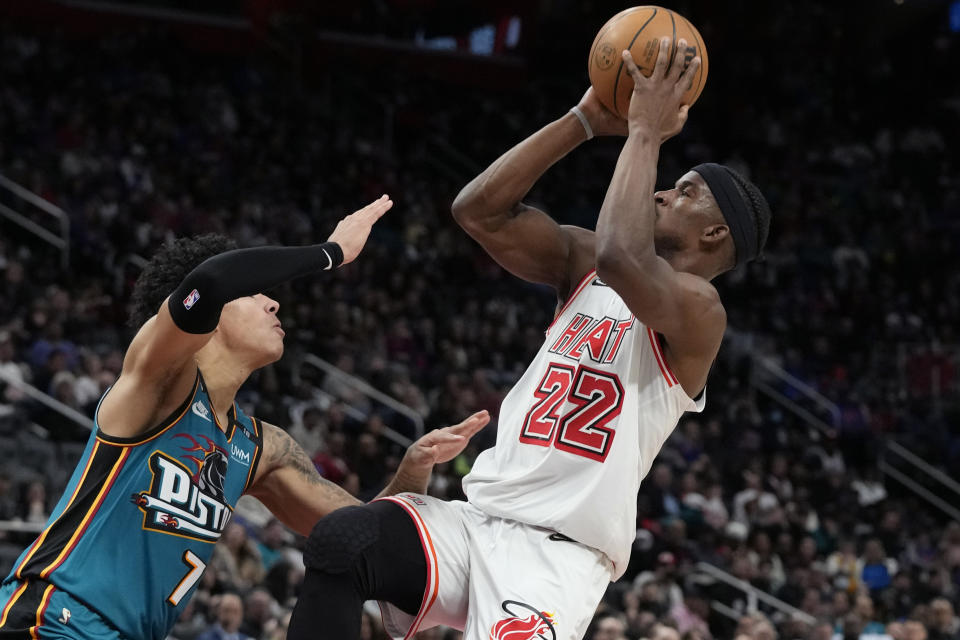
36, 609
498, 579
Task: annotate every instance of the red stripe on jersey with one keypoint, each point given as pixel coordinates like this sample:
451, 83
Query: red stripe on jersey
661, 359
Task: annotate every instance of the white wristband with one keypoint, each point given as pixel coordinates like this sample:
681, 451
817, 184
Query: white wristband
583, 120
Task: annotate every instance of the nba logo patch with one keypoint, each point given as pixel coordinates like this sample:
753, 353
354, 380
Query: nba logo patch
191, 299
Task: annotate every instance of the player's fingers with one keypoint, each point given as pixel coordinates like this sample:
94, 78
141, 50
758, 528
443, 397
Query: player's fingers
663, 59
383, 208
631, 67
442, 436
686, 80
678, 57
472, 424
376, 208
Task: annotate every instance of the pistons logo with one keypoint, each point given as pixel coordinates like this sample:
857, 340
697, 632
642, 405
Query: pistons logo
187, 494
525, 623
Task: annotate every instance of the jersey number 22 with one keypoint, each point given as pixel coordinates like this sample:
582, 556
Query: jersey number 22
573, 411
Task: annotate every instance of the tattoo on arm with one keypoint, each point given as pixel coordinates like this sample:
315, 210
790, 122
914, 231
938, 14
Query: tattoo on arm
285, 452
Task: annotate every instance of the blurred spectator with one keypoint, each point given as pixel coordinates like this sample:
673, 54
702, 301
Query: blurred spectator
329, 459
271, 541
259, 613
190, 624
843, 566
664, 578
229, 610
659, 493
610, 627
944, 624
369, 465
309, 431
10, 370
8, 503
662, 631
237, 558
33, 503
875, 569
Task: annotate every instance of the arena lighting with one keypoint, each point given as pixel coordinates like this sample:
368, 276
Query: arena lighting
954, 16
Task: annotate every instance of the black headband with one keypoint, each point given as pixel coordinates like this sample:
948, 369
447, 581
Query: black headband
736, 211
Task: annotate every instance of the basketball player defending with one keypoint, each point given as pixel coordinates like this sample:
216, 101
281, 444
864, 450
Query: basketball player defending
172, 452
551, 511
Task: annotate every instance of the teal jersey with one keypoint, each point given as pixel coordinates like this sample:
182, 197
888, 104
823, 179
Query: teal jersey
139, 518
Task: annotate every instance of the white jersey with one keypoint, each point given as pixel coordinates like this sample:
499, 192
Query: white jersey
580, 429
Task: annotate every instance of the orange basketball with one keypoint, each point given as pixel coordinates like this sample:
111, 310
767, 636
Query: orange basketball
639, 29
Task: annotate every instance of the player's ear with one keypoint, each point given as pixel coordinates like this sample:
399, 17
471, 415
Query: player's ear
713, 236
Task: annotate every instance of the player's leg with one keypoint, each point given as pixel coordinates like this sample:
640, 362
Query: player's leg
528, 582
352, 555
444, 540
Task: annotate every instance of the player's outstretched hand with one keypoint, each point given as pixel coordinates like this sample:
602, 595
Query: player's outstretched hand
656, 104
352, 232
603, 121
443, 445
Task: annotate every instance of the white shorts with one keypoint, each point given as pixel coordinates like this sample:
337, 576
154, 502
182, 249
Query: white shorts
498, 579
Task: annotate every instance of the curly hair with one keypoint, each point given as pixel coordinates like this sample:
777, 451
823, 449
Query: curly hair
166, 270
759, 208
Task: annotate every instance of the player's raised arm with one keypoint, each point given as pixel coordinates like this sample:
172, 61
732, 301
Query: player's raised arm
289, 485
667, 289
159, 367
525, 240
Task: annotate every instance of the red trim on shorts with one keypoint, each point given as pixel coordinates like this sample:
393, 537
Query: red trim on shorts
44, 603
432, 588
576, 290
12, 601
661, 359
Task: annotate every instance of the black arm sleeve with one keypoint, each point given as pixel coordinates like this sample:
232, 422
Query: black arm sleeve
196, 304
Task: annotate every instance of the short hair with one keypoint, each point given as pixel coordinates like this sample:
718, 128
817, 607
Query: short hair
166, 270
759, 207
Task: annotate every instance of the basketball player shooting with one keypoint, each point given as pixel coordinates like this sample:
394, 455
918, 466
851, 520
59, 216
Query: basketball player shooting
551, 510
172, 452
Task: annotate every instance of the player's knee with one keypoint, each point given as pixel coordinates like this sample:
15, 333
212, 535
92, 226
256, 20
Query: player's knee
339, 538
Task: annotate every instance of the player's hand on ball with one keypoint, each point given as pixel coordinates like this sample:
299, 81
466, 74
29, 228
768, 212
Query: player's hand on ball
443, 445
656, 102
603, 121
352, 232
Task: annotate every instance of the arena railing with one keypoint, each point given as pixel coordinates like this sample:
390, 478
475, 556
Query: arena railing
374, 394
48, 401
754, 595
894, 450
766, 374
16, 526
19, 526
59, 240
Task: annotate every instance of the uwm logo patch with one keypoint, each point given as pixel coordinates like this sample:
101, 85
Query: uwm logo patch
186, 504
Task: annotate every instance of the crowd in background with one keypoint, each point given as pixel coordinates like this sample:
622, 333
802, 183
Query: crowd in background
139, 141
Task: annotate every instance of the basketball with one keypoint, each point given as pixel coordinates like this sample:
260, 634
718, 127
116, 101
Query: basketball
639, 29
